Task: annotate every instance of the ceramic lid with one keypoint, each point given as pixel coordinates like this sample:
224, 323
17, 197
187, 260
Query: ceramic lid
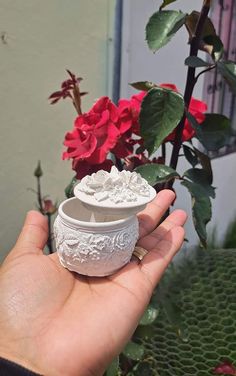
116, 192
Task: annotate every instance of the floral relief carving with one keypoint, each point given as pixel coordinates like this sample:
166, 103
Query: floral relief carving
82, 251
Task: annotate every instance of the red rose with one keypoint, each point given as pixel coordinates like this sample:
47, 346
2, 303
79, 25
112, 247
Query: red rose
130, 110
225, 368
128, 125
196, 108
94, 133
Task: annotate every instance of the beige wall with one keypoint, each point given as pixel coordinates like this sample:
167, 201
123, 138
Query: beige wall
41, 39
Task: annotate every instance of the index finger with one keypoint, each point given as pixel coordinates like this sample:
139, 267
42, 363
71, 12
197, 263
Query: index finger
150, 217
33, 235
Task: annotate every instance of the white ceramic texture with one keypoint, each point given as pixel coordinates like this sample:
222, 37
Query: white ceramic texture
93, 244
123, 208
115, 192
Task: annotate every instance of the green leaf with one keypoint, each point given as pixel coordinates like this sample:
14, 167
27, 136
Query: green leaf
162, 26
156, 173
216, 47
190, 155
38, 172
228, 71
143, 368
206, 164
113, 369
214, 132
191, 24
134, 351
195, 62
200, 177
140, 150
161, 111
145, 332
201, 209
142, 85
69, 190
173, 313
149, 316
165, 3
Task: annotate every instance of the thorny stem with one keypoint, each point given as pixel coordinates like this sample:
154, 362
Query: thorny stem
49, 241
190, 83
39, 195
119, 164
163, 152
40, 203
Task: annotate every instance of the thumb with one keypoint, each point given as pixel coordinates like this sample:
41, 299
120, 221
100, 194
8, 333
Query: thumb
34, 234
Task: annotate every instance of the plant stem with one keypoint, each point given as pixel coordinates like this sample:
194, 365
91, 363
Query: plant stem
163, 152
119, 164
204, 71
190, 83
39, 195
40, 203
49, 241
77, 99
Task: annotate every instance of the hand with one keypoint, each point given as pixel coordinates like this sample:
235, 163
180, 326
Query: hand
55, 322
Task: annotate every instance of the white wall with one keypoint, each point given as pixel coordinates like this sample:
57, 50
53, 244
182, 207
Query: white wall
139, 64
42, 39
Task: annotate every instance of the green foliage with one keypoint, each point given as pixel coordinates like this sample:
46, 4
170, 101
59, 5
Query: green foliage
195, 62
134, 351
205, 161
214, 132
201, 177
149, 316
69, 190
144, 331
201, 209
38, 172
228, 71
230, 236
173, 313
162, 26
143, 369
165, 3
156, 173
142, 85
216, 46
113, 369
160, 113
190, 155
191, 24
227, 241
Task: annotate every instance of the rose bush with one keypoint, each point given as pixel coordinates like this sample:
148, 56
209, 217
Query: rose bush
108, 128
133, 133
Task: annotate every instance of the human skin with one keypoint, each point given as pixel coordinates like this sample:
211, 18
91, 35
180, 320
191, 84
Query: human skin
56, 322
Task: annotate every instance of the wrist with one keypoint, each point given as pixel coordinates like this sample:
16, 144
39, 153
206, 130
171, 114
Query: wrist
9, 368
16, 358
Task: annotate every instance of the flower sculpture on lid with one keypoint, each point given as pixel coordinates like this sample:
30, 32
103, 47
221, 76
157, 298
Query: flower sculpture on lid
116, 186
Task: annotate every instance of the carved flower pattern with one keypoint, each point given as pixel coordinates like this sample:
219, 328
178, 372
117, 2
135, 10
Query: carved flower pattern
94, 250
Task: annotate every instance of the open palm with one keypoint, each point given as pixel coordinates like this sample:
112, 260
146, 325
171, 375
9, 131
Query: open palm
55, 322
